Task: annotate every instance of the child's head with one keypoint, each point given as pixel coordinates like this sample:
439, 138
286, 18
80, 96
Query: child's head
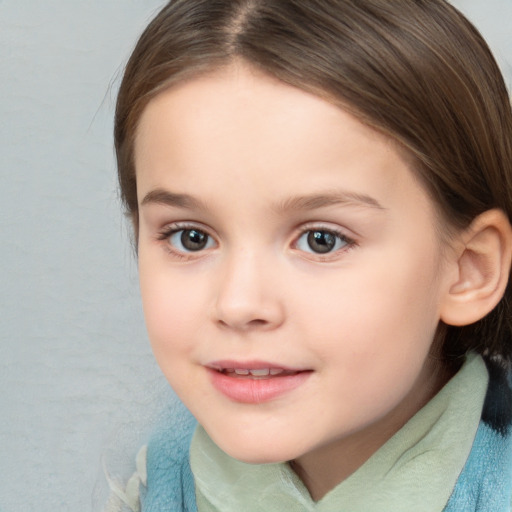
321, 189
417, 71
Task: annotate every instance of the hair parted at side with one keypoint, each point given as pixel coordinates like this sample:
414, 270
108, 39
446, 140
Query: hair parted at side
415, 70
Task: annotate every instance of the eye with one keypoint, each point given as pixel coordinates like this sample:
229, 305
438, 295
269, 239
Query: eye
322, 241
190, 240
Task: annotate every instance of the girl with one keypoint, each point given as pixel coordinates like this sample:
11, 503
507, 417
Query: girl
321, 195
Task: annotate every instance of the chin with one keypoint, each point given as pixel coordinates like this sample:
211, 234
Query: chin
255, 456
255, 450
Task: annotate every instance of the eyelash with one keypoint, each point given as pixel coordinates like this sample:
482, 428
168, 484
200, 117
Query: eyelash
349, 242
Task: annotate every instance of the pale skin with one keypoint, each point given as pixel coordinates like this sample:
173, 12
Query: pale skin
256, 167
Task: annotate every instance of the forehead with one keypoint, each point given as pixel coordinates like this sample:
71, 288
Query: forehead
238, 99
254, 133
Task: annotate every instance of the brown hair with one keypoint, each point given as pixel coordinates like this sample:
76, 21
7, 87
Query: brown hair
416, 70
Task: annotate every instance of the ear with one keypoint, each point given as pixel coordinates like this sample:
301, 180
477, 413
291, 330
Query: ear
482, 268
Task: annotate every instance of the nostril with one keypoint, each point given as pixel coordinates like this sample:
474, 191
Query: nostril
257, 322
252, 324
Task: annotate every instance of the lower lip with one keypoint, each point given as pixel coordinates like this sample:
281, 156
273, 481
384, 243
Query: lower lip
255, 391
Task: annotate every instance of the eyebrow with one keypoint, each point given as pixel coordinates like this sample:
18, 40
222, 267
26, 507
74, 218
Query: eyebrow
165, 197
297, 203
323, 200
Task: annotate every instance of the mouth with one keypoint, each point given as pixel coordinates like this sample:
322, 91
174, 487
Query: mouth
254, 382
257, 373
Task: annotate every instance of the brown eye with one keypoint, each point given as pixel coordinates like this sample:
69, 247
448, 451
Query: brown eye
190, 240
321, 241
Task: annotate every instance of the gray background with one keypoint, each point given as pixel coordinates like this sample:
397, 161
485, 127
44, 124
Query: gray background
77, 378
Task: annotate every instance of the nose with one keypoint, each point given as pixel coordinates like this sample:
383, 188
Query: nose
248, 296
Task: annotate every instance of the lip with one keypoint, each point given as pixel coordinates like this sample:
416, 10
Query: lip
249, 365
255, 390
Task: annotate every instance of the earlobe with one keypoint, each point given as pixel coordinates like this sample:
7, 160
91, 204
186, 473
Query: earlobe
483, 269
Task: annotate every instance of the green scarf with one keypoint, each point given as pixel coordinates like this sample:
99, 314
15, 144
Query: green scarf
415, 470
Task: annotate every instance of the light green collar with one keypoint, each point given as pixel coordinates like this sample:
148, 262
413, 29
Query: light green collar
415, 470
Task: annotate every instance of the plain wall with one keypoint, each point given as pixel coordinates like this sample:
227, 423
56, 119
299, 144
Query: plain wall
73, 350
76, 372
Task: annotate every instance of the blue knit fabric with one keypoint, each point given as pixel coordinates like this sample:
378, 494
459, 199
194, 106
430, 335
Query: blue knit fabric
170, 482
485, 483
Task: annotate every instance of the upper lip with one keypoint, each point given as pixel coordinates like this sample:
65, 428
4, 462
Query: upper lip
250, 365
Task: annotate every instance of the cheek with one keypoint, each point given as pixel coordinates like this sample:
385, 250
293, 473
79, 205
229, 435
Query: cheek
403, 308
371, 304
171, 310
375, 320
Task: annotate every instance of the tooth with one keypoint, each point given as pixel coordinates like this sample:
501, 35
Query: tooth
276, 371
229, 370
260, 373
240, 371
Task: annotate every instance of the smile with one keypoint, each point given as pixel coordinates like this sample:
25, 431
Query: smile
254, 383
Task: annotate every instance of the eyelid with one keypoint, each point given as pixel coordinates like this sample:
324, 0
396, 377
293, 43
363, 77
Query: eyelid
172, 227
326, 226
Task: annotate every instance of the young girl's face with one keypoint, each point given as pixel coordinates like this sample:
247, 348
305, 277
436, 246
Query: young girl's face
291, 270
